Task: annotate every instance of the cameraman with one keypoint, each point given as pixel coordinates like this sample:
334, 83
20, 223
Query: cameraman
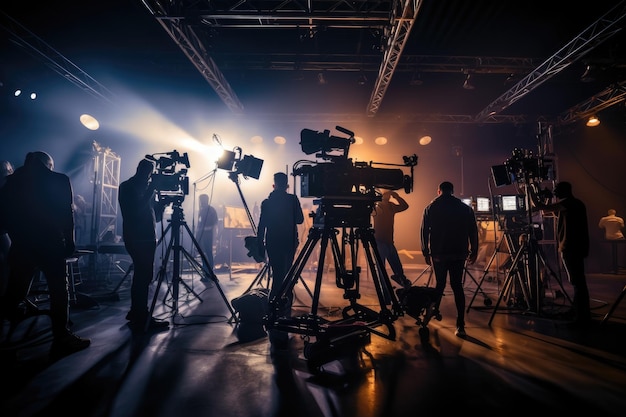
573, 239
137, 203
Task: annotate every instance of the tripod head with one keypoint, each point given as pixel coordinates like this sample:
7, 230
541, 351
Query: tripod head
354, 211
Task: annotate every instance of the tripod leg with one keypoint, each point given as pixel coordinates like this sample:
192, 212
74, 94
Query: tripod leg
508, 280
209, 274
161, 275
428, 269
126, 275
293, 275
258, 280
482, 279
552, 273
478, 288
614, 306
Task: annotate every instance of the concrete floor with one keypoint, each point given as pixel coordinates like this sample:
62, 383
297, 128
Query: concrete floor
512, 362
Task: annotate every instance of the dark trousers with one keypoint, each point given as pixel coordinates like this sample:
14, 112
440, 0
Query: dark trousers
142, 254
22, 265
455, 269
205, 242
575, 268
389, 254
280, 260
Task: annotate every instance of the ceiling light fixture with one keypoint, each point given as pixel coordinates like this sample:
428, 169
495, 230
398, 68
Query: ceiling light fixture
467, 85
320, 78
589, 74
593, 121
425, 140
89, 121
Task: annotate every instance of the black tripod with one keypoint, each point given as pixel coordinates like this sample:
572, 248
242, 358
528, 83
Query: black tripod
527, 269
357, 320
509, 241
175, 249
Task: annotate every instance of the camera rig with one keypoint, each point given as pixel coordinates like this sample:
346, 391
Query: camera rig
347, 193
170, 179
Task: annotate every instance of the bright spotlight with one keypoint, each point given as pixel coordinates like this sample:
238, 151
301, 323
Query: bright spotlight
89, 122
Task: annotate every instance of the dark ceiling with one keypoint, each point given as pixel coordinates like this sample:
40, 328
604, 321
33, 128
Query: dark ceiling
387, 60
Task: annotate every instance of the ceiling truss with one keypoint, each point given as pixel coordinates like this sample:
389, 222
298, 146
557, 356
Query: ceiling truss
395, 18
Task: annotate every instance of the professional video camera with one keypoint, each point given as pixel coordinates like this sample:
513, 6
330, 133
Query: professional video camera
170, 178
339, 176
523, 167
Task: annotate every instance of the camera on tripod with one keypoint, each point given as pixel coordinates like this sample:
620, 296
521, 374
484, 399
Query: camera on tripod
523, 167
339, 176
170, 179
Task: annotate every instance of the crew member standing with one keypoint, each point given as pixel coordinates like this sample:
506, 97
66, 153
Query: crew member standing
38, 216
281, 213
207, 224
450, 239
384, 222
137, 200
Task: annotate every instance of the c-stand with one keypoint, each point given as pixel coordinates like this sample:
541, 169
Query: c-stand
174, 246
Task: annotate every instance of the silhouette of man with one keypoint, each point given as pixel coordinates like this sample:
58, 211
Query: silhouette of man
384, 222
280, 214
137, 203
449, 236
39, 219
573, 239
207, 223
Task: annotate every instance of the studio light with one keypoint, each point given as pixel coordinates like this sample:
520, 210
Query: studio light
89, 122
425, 140
593, 121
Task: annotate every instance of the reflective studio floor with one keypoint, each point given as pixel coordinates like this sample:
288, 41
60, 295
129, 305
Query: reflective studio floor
512, 362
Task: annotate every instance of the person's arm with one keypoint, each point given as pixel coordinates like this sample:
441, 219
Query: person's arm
261, 229
425, 238
473, 237
538, 205
402, 204
298, 215
67, 222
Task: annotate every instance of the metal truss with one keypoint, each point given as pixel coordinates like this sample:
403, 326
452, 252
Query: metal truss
401, 25
612, 95
605, 27
395, 18
106, 185
433, 118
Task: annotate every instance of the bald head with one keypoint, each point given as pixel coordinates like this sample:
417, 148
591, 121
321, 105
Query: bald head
39, 157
